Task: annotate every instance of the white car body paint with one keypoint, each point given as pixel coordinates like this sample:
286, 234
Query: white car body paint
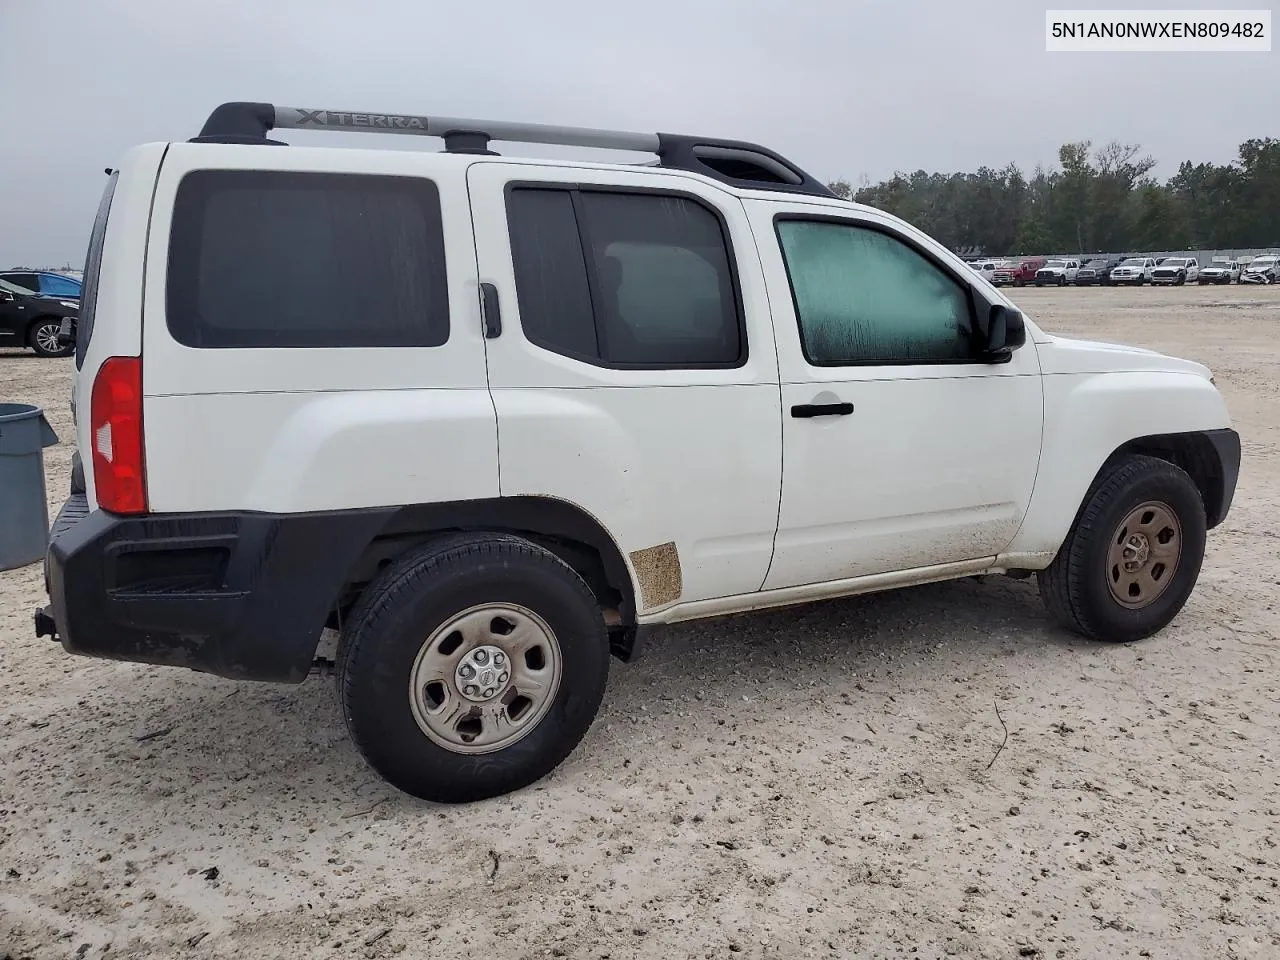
940, 471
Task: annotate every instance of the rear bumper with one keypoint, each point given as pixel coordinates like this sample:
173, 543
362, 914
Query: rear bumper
239, 595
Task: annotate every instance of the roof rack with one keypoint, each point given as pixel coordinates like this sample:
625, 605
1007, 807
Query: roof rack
735, 162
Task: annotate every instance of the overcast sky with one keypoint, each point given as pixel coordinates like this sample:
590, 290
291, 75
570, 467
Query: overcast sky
845, 88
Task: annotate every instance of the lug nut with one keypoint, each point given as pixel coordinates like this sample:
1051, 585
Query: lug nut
469, 690
467, 671
498, 659
481, 657
489, 692
502, 678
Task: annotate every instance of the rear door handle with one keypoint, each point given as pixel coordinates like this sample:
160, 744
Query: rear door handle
804, 410
490, 310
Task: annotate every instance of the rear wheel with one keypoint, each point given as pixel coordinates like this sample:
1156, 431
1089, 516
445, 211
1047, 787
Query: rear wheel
472, 668
1133, 557
42, 337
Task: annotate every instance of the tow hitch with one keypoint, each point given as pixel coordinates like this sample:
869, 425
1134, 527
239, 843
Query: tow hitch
46, 626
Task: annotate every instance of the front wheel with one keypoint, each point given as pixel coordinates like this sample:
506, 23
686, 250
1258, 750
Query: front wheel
472, 668
1133, 556
43, 338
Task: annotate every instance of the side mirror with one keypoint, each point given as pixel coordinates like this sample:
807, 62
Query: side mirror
5, 296
1006, 332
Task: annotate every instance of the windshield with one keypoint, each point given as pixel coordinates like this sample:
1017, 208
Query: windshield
14, 288
1262, 263
1174, 262
1133, 262
1096, 264
1055, 263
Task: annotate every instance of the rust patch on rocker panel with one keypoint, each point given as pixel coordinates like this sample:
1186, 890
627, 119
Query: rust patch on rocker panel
658, 570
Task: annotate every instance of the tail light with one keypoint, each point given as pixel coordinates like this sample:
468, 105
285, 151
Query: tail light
115, 419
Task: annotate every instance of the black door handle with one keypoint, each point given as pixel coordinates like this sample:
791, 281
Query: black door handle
490, 310
822, 409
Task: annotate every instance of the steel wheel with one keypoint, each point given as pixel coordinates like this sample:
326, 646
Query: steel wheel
1144, 554
484, 679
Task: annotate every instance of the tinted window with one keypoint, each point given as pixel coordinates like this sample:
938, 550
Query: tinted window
863, 296
272, 259
56, 286
28, 281
551, 272
92, 266
625, 279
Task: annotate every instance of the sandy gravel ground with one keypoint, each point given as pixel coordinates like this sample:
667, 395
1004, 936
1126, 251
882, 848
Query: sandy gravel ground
800, 784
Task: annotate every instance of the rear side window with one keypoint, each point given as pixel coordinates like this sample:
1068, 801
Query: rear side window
92, 266
625, 279
56, 286
283, 259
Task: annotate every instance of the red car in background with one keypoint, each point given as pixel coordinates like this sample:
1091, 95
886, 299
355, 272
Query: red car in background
1018, 273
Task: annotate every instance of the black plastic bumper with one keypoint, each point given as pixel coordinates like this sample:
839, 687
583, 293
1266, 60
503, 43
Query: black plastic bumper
1227, 445
239, 595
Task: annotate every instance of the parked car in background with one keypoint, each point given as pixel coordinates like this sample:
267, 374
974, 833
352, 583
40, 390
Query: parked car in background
985, 268
1096, 271
1017, 273
28, 319
1220, 271
1176, 271
1261, 270
1134, 270
44, 282
1058, 272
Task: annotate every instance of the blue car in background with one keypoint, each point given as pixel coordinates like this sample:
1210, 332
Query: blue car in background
45, 283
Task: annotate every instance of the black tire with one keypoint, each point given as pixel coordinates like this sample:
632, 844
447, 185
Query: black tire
1075, 587
417, 595
42, 335
1182, 278
1062, 280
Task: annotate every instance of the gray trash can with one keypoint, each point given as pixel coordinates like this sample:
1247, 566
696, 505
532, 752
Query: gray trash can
24, 513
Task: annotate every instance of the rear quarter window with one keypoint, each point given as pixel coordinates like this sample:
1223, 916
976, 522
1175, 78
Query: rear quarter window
285, 259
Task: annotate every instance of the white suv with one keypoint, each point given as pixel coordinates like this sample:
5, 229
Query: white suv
488, 418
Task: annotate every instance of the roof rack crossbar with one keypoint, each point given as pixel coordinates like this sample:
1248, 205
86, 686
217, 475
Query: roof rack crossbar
729, 161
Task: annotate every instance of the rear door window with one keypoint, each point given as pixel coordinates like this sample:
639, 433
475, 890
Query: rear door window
625, 279
286, 259
55, 286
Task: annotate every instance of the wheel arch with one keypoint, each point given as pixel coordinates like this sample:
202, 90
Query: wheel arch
1206, 456
561, 527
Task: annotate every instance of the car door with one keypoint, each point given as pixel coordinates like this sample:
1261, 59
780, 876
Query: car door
902, 449
12, 316
634, 374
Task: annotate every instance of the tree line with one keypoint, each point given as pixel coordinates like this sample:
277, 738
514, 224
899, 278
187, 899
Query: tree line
1093, 200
